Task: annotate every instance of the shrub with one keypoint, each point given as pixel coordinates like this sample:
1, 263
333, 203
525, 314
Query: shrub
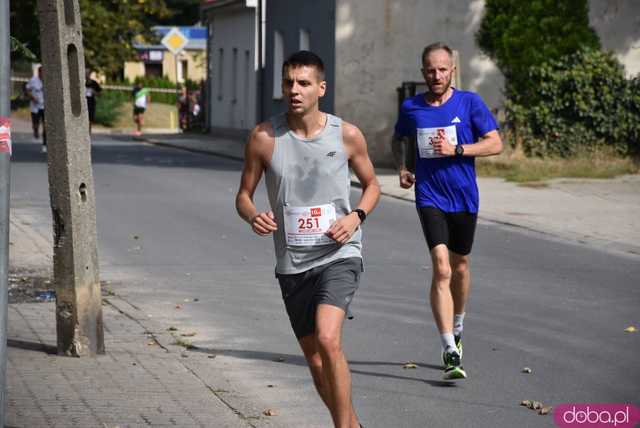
583, 103
519, 35
108, 104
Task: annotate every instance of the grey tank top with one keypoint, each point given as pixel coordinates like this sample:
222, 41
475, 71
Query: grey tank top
304, 173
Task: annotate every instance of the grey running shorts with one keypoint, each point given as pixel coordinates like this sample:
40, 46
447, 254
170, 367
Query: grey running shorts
334, 284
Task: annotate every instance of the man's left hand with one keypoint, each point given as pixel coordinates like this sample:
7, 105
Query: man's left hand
442, 146
342, 230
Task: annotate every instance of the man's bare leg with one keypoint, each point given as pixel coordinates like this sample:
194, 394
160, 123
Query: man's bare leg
336, 378
460, 281
440, 295
314, 361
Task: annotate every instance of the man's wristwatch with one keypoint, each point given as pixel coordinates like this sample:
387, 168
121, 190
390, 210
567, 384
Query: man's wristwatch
361, 214
459, 150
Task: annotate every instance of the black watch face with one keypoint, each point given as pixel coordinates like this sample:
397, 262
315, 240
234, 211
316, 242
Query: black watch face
459, 150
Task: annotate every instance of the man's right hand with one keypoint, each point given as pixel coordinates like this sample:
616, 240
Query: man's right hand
406, 179
264, 223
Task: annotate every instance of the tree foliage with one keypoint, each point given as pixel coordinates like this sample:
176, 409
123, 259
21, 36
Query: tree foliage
109, 27
584, 103
520, 34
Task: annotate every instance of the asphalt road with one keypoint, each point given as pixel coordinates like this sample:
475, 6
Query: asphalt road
168, 231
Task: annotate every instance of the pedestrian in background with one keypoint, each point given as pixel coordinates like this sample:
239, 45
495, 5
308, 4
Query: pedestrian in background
92, 91
141, 98
35, 90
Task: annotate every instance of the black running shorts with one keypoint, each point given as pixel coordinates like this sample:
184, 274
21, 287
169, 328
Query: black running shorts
455, 230
333, 284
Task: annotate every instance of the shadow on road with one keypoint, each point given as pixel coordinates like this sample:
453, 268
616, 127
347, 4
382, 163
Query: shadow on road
298, 360
125, 151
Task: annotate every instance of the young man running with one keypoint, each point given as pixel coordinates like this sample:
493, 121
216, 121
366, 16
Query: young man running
451, 128
305, 155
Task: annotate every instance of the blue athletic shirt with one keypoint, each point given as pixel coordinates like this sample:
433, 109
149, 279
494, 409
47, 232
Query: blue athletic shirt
447, 183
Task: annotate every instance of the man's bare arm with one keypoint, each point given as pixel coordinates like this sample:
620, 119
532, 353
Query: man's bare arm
262, 223
399, 149
359, 160
490, 144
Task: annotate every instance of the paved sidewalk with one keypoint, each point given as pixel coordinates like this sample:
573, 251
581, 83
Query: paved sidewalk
139, 382
601, 213
146, 378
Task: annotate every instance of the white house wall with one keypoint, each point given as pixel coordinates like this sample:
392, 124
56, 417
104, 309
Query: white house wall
233, 80
617, 22
378, 46
379, 42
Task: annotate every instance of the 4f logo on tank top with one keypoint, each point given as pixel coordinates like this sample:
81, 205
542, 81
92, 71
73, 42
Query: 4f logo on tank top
331, 154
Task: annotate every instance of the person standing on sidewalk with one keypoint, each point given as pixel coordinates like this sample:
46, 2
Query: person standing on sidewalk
35, 89
305, 155
92, 91
452, 128
141, 98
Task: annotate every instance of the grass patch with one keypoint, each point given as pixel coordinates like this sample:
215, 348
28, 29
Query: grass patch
520, 169
107, 106
158, 115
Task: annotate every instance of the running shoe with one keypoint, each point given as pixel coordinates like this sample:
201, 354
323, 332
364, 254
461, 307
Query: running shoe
453, 370
458, 340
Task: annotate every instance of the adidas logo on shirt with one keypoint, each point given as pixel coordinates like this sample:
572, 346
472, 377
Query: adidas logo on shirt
456, 120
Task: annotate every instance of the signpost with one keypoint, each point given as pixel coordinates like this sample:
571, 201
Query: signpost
175, 42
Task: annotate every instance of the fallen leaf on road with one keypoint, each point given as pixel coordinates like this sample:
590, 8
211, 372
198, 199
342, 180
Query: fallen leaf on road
187, 300
631, 329
270, 412
178, 306
270, 386
189, 334
151, 343
525, 403
536, 405
196, 300
211, 356
172, 328
135, 237
410, 365
545, 410
527, 370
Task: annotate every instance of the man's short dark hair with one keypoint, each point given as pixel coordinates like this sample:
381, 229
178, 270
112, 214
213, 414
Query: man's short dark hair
435, 47
305, 58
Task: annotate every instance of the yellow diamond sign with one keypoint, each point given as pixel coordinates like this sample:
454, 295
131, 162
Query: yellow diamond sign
175, 41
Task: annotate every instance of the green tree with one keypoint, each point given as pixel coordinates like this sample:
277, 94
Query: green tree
109, 29
183, 12
519, 34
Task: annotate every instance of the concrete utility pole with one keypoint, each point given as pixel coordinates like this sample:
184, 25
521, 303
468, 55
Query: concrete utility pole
5, 176
75, 254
